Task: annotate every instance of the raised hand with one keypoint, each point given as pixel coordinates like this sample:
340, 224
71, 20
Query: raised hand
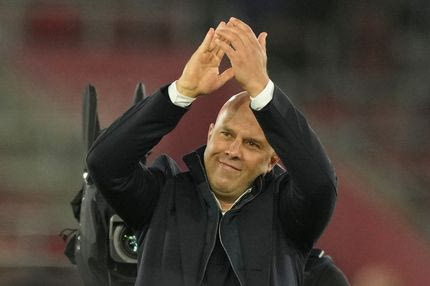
247, 54
201, 74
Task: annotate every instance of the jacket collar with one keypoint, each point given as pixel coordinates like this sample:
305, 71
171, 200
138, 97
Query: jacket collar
196, 165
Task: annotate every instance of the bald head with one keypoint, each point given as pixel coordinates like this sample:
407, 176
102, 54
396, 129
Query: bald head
237, 100
237, 103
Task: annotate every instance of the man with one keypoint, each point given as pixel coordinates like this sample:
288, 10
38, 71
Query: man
235, 218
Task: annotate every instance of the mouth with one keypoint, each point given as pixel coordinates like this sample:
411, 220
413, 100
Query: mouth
228, 166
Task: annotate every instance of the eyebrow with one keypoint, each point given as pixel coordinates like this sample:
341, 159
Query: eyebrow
256, 141
225, 128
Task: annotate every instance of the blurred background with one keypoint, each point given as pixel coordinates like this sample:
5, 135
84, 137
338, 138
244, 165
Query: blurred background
358, 70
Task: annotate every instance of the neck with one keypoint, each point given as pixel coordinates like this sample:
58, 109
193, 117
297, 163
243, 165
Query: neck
225, 206
226, 203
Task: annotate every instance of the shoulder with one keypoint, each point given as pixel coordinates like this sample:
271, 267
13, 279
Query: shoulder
166, 164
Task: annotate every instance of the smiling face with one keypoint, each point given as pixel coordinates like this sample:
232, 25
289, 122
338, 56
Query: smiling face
237, 150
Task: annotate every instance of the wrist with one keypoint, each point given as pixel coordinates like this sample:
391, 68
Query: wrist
186, 89
256, 87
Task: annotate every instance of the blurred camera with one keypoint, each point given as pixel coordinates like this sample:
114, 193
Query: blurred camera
122, 241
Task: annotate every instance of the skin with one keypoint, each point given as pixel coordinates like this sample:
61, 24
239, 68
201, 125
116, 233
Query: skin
247, 55
237, 151
201, 74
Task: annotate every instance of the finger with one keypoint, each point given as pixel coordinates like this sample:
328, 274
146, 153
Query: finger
226, 48
246, 35
220, 53
227, 75
207, 40
214, 48
240, 24
213, 45
232, 37
217, 51
262, 40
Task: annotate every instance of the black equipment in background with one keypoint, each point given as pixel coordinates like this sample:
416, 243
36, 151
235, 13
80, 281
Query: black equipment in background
103, 248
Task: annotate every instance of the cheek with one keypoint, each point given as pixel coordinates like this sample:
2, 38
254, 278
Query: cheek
216, 145
261, 165
211, 152
211, 145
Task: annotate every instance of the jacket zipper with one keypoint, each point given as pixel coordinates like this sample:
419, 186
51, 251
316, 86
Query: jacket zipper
210, 254
228, 256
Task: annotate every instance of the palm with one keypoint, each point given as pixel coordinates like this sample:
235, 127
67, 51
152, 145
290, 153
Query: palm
201, 73
208, 73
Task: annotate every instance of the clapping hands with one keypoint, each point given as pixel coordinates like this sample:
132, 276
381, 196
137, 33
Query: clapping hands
247, 55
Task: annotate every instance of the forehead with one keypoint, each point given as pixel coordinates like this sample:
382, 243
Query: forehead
241, 120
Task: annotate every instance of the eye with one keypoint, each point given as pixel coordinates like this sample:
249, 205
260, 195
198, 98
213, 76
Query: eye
252, 144
226, 134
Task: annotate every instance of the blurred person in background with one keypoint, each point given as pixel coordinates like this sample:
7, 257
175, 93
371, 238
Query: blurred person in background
376, 275
236, 217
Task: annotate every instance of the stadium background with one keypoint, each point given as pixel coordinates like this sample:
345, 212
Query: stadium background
359, 71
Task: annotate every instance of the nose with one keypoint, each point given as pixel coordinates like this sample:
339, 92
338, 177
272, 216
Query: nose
234, 149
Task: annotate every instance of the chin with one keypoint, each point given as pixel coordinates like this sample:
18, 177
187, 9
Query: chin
223, 187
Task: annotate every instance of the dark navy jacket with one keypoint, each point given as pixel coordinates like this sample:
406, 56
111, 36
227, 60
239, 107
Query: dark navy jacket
267, 235
320, 270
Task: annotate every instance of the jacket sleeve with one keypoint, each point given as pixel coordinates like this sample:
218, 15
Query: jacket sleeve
307, 192
131, 188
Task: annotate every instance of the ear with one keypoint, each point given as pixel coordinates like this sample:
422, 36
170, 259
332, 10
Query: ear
274, 159
211, 127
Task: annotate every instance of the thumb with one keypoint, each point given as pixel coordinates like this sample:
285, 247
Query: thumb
262, 40
224, 77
